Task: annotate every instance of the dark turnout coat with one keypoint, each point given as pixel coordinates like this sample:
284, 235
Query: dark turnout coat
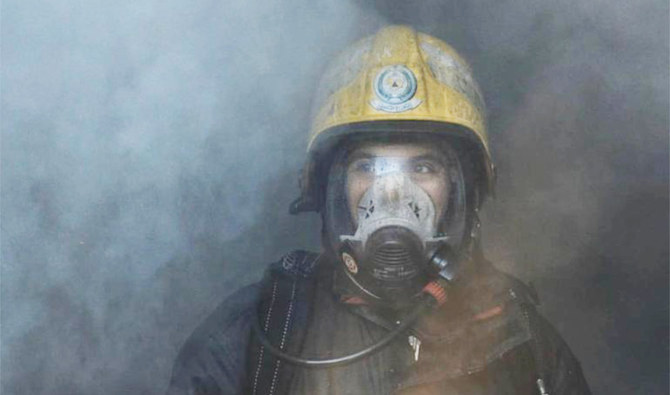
487, 339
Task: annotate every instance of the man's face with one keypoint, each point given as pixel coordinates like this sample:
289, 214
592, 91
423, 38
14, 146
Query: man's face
423, 163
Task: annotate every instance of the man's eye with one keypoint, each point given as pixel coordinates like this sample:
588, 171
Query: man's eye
424, 168
364, 167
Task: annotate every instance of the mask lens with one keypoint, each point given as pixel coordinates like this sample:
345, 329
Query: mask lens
393, 178
421, 167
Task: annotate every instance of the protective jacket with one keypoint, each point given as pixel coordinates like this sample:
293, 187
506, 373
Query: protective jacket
487, 339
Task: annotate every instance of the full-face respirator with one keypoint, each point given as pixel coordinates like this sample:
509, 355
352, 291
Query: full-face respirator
396, 222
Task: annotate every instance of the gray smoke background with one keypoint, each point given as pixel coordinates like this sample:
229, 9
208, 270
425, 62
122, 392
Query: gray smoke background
150, 150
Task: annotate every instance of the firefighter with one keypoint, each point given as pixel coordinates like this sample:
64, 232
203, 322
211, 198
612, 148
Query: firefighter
400, 300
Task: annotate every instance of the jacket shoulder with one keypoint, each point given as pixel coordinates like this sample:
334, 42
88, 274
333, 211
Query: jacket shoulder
553, 358
214, 356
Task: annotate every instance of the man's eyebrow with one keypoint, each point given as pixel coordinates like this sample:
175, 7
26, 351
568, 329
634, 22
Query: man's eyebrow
362, 155
431, 157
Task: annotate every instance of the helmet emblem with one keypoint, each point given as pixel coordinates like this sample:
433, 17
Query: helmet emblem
395, 87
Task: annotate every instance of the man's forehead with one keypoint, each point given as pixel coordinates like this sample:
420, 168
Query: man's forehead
410, 149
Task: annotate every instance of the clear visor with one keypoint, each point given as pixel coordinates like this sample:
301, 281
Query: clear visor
396, 178
418, 167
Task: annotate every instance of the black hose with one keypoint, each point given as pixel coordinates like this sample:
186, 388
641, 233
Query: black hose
424, 304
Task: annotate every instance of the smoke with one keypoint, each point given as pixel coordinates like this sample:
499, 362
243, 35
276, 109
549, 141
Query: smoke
150, 151
139, 139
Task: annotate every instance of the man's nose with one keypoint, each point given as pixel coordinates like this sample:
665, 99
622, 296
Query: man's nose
392, 185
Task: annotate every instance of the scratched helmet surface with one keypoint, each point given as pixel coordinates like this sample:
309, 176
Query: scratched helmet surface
395, 81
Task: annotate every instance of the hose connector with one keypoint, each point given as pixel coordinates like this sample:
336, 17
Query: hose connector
437, 291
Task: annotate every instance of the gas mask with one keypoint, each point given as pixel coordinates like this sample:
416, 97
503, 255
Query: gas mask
396, 222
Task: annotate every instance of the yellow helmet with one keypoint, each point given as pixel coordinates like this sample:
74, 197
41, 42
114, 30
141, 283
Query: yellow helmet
397, 80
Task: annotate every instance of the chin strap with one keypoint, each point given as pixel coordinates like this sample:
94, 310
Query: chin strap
434, 295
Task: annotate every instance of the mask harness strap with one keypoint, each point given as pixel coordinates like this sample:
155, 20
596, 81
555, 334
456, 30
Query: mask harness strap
433, 296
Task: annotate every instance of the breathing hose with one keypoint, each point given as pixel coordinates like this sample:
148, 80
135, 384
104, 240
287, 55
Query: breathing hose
433, 295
